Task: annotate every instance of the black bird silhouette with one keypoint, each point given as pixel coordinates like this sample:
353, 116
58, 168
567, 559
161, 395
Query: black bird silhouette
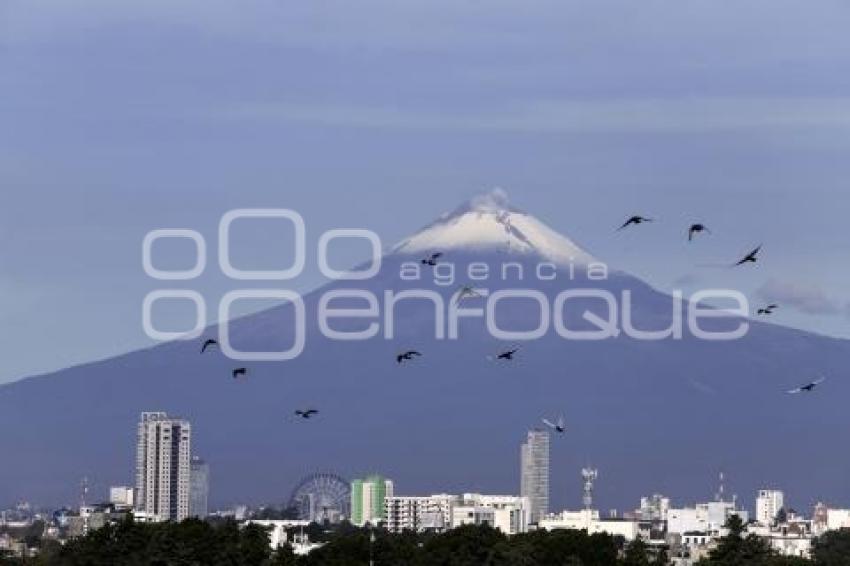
207, 344
432, 259
557, 426
695, 228
306, 414
635, 220
240, 372
809, 387
408, 355
767, 310
750, 257
507, 354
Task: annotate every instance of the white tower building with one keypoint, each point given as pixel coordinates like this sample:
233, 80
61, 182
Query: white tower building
768, 504
163, 467
534, 470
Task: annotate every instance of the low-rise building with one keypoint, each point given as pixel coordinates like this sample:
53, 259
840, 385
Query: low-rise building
277, 529
511, 514
122, 496
470, 514
419, 513
837, 519
508, 513
793, 538
703, 517
99, 515
590, 521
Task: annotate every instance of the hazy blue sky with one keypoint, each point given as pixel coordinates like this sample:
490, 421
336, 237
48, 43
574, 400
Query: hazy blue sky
120, 117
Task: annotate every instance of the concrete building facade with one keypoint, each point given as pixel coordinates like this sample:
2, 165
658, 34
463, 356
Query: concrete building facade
199, 488
367, 499
163, 473
768, 504
534, 473
419, 513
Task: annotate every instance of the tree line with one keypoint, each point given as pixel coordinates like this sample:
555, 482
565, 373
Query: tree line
225, 542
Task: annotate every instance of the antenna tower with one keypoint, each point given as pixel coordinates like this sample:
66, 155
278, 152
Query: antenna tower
589, 476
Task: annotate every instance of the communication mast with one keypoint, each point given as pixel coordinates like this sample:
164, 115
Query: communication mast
720, 489
589, 476
84, 491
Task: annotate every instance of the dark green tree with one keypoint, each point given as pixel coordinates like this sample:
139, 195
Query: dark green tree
283, 556
832, 549
637, 553
464, 546
563, 547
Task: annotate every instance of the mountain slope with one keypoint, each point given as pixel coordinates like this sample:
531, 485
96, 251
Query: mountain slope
651, 415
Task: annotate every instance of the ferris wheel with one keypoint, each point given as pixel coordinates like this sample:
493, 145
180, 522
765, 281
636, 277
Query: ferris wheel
322, 497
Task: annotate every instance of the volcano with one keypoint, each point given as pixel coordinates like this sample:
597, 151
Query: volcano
663, 415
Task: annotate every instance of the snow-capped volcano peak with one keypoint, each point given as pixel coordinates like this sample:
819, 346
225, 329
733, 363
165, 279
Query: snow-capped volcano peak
488, 222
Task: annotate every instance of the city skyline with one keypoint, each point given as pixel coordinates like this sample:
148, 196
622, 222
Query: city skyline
159, 438
170, 490
692, 531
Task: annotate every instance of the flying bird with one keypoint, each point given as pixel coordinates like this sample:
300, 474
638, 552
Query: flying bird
768, 309
696, 228
750, 257
408, 355
306, 414
239, 372
207, 344
508, 354
464, 292
635, 220
809, 387
557, 427
432, 259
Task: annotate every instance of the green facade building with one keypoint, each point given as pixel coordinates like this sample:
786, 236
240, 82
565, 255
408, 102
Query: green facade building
367, 499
